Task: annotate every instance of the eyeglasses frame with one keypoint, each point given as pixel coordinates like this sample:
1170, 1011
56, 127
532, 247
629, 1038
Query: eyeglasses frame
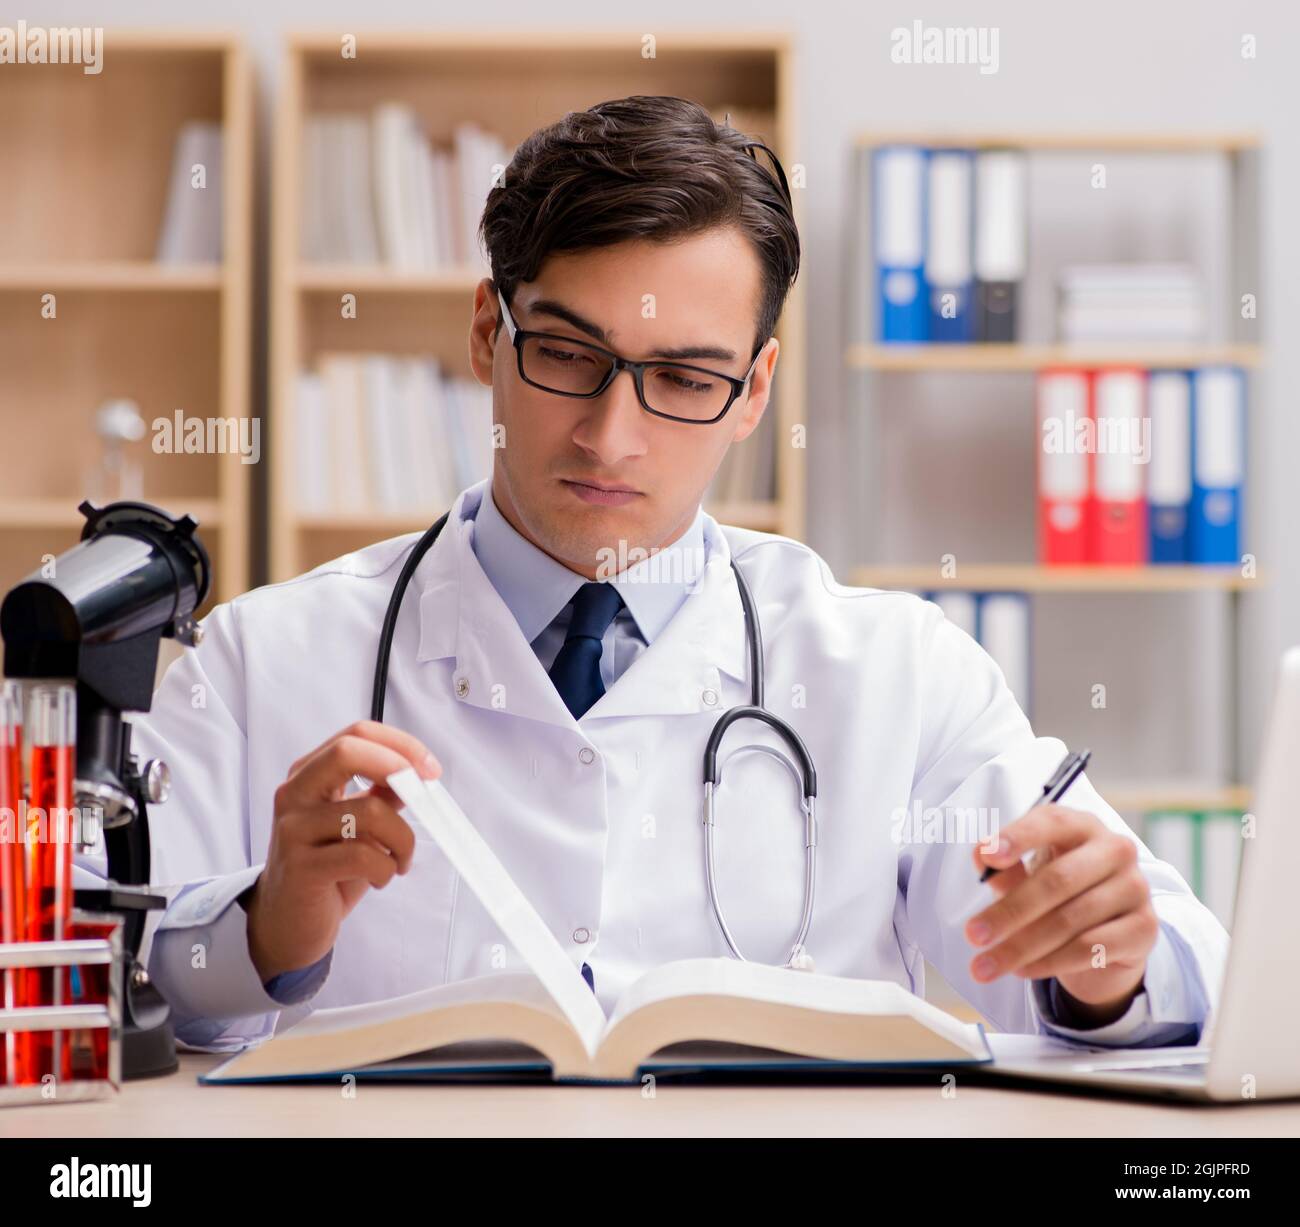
637, 369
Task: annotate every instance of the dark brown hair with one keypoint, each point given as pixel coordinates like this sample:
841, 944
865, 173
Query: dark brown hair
645, 167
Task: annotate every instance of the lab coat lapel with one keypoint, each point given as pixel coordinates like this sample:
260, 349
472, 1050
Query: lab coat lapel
462, 616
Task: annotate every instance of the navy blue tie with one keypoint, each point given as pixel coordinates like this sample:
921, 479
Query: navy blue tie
576, 669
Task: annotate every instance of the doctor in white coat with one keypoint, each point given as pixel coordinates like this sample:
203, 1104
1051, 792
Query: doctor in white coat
569, 641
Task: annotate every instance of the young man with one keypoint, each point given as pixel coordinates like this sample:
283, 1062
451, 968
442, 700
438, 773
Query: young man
565, 698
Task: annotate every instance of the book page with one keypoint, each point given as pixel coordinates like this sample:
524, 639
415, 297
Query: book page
436, 810
784, 986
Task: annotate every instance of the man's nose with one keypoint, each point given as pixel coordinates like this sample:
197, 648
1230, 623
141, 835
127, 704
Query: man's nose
615, 427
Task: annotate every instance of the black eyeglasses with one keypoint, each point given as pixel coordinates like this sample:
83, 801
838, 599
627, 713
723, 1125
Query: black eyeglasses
675, 390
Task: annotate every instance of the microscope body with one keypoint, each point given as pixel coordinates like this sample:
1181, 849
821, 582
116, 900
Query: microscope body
98, 618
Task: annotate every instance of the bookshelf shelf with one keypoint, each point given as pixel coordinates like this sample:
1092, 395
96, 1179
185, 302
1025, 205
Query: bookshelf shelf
110, 275
63, 513
83, 222
508, 84
1069, 142
1141, 799
1002, 358
380, 279
1030, 577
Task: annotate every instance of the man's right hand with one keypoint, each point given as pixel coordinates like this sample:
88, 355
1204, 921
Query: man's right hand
327, 850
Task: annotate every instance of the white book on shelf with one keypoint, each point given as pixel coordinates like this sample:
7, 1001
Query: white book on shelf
411, 462
1004, 635
424, 206
1221, 836
312, 437
333, 189
315, 247
390, 125
446, 209
383, 452
437, 453
477, 156
191, 227
362, 241
475, 404
349, 480
959, 608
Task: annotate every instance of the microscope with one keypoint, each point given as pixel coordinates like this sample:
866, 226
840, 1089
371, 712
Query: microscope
97, 615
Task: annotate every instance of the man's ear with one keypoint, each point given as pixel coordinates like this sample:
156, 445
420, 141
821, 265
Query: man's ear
483, 331
752, 403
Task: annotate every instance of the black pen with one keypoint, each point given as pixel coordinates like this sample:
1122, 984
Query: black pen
1071, 768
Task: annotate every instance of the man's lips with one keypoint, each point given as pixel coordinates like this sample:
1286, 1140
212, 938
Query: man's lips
600, 496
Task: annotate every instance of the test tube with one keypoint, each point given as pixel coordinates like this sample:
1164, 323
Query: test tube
51, 733
15, 1047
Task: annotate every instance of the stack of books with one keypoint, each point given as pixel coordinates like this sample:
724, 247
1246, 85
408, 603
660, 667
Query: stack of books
388, 434
1138, 467
376, 190
1130, 303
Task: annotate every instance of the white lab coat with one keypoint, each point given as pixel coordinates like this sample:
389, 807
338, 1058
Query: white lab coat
598, 820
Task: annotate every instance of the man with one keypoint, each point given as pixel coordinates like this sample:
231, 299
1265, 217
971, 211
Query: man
564, 697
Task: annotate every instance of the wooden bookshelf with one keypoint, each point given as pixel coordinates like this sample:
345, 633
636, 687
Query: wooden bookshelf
82, 222
510, 84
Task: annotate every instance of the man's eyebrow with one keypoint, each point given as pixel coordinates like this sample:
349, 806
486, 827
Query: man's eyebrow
680, 353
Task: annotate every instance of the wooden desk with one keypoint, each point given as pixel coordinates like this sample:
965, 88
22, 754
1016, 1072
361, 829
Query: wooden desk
178, 1107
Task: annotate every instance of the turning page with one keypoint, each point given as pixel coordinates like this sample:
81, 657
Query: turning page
435, 808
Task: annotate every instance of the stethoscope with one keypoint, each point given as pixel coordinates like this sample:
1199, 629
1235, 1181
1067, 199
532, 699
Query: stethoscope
805, 777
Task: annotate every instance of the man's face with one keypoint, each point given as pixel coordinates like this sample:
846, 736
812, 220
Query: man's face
577, 477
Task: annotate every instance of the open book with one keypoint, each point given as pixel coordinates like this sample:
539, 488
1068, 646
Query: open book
691, 1015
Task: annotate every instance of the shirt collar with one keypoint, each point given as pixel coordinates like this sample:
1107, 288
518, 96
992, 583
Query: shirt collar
535, 587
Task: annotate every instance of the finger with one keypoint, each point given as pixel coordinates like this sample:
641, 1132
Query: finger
1043, 828
363, 818
1122, 940
1060, 879
1111, 899
326, 772
353, 861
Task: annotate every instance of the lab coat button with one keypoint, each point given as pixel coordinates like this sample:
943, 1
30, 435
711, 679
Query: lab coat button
710, 698
462, 687
586, 755
581, 936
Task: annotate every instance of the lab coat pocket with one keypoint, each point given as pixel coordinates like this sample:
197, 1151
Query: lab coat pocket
426, 916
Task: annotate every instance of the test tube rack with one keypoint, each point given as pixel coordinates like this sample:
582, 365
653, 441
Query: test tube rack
76, 952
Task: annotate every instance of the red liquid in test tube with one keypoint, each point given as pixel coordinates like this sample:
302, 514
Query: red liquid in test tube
51, 734
15, 1046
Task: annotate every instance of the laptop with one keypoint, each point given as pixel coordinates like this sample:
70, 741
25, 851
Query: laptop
1252, 1047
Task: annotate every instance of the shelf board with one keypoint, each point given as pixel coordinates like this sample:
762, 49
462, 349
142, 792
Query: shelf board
979, 357
1069, 142
1133, 799
378, 278
110, 275
29, 513
1030, 577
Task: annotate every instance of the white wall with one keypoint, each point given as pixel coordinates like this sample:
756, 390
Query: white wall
1107, 65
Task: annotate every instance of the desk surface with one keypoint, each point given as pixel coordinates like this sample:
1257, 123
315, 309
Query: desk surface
177, 1106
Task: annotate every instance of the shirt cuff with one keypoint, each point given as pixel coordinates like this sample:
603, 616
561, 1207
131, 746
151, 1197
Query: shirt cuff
201, 962
1170, 1007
